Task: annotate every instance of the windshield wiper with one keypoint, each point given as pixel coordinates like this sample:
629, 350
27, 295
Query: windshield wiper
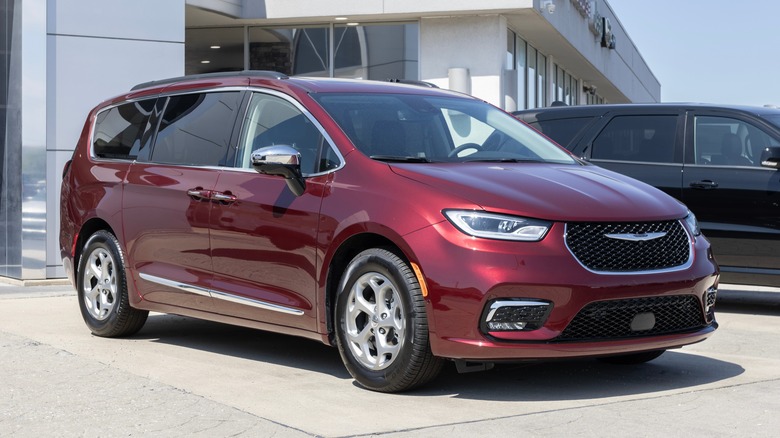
503, 160
400, 159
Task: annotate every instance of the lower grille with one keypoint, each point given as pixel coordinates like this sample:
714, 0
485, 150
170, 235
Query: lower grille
613, 319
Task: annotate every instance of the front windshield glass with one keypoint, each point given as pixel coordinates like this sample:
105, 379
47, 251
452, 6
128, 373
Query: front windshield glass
416, 128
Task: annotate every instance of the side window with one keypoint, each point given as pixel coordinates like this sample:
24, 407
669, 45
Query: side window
640, 138
561, 131
271, 120
725, 141
195, 129
118, 130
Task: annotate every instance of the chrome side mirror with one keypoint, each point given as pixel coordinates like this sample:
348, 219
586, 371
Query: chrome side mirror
281, 160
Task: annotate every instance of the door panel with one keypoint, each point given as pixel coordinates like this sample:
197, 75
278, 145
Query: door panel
167, 232
736, 200
264, 249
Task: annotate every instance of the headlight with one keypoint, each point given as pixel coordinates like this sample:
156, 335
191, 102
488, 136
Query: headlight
693, 224
498, 226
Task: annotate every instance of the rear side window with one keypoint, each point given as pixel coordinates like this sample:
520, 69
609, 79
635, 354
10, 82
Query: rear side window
196, 128
561, 131
118, 130
637, 138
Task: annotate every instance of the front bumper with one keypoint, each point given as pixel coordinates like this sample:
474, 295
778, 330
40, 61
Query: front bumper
465, 275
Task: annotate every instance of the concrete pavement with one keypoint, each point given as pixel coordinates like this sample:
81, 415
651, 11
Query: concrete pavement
181, 376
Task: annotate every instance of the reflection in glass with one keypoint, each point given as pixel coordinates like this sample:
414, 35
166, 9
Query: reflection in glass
214, 50
292, 51
376, 52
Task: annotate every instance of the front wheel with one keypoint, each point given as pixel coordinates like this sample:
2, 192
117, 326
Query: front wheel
381, 324
102, 289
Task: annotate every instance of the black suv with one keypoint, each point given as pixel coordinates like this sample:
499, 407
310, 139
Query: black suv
722, 161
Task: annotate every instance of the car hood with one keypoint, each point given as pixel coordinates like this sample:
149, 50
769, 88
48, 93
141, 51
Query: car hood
548, 191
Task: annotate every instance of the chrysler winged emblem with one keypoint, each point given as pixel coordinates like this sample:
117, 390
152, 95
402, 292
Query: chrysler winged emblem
638, 237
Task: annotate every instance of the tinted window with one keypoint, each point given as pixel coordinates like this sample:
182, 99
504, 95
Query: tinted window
271, 120
421, 128
724, 141
637, 138
118, 130
562, 131
195, 129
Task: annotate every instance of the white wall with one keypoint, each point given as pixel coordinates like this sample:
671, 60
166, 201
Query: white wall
476, 43
96, 51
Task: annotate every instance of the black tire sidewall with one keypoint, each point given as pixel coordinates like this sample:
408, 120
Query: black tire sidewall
108, 326
377, 261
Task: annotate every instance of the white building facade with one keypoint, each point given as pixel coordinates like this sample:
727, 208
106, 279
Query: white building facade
59, 58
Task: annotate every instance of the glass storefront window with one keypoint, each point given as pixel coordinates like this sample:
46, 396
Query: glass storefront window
541, 80
213, 50
382, 51
521, 73
510, 50
531, 52
377, 51
290, 50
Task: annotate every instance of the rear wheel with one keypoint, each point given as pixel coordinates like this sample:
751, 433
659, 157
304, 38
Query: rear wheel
381, 324
102, 289
632, 359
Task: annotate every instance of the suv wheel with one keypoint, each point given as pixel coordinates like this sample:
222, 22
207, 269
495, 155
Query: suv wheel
102, 289
381, 324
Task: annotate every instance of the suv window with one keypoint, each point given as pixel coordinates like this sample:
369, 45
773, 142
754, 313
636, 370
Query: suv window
637, 138
271, 120
118, 130
195, 129
725, 141
561, 131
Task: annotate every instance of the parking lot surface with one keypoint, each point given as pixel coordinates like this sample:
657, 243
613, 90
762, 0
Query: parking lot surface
181, 376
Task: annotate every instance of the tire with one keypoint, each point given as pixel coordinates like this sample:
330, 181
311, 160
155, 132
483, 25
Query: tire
102, 289
383, 342
632, 359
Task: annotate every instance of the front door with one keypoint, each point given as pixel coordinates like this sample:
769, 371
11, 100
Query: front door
263, 237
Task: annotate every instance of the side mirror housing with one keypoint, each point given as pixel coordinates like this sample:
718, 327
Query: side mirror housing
281, 160
770, 157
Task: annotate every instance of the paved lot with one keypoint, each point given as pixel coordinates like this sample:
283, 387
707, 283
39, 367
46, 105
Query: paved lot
181, 376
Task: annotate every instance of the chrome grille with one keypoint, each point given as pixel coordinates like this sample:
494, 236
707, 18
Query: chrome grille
612, 319
588, 242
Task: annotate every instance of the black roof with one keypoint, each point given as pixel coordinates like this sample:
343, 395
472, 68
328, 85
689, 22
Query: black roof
590, 110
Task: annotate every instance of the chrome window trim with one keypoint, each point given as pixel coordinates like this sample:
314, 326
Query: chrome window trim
224, 296
92, 155
305, 112
682, 267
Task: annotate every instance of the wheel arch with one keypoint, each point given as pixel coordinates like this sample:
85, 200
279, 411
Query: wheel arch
351, 247
89, 228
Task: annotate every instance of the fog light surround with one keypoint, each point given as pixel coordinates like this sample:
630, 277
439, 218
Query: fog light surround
710, 296
512, 315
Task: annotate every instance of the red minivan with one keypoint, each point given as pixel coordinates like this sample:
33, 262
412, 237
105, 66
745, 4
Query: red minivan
406, 225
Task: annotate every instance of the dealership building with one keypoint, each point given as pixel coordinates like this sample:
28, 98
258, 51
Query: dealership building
59, 58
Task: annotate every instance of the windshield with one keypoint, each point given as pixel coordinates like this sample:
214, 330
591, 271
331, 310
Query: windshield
416, 128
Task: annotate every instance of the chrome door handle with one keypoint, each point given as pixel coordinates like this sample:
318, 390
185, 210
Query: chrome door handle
223, 197
704, 185
199, 193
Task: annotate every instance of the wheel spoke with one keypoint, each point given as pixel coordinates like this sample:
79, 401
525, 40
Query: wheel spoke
100, 284
375, 322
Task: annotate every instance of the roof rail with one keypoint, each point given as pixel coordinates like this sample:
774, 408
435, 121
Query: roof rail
223, 74
413, 82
